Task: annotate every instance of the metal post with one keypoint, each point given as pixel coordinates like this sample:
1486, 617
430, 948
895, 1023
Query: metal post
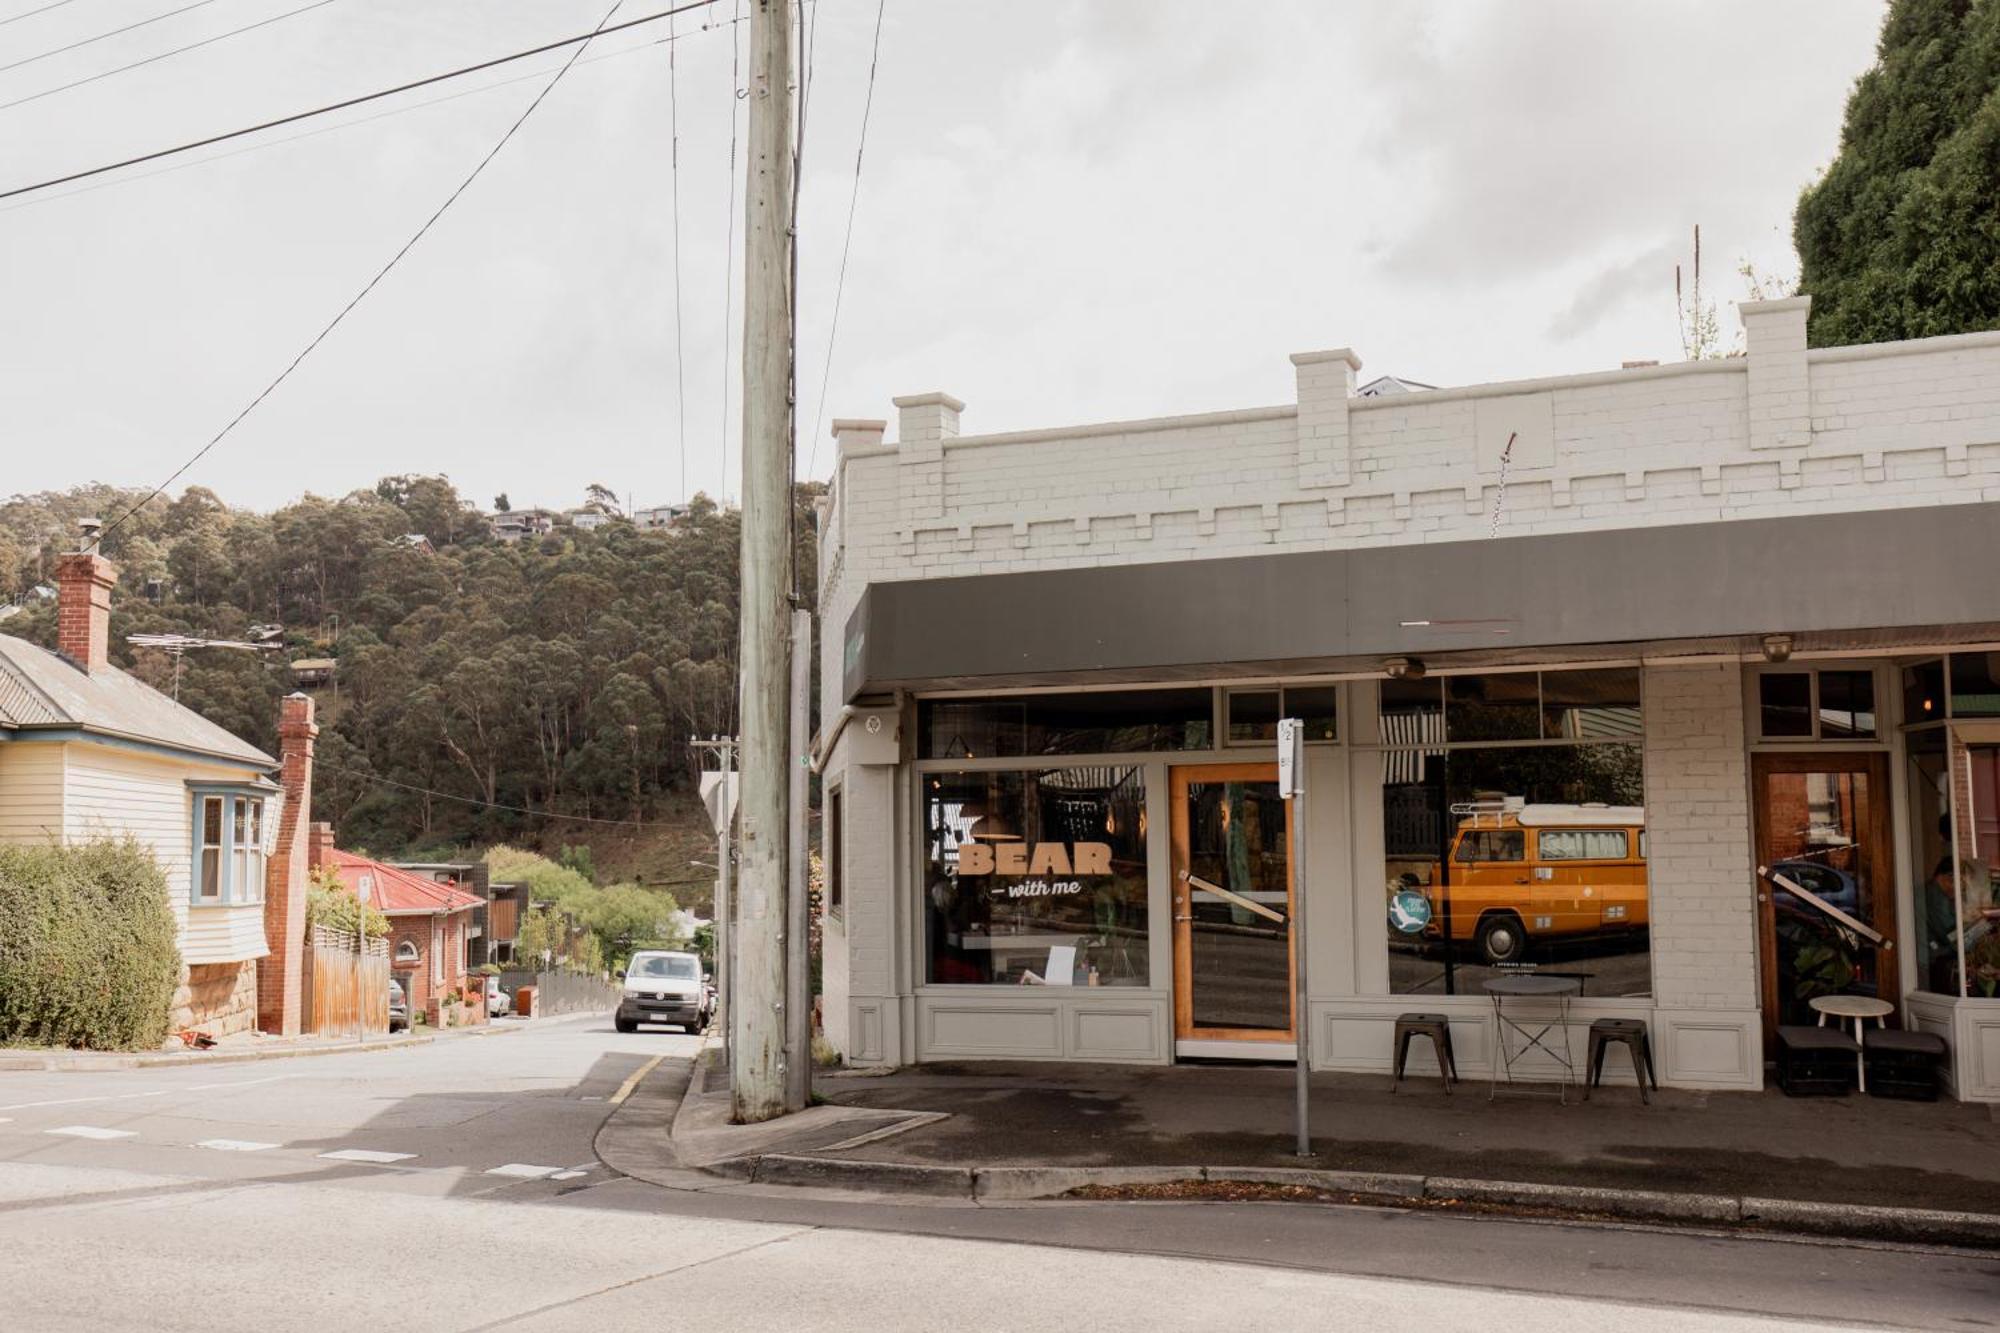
1292, 786
798, 922
756, 1026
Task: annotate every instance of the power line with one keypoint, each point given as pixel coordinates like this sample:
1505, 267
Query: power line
31, 13
394, 260
165, 55
353, 101
853, 200
495, 86
87, 41
680, 371
474, 800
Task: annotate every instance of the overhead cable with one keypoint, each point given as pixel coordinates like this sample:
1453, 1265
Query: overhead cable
352, 101
840, 282
165, 55
372, 283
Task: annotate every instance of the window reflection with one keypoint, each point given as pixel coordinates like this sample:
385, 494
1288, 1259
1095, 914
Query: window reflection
1036, 878
1505, 857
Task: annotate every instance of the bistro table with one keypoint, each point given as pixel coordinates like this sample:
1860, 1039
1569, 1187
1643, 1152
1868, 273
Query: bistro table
1860, 1008
1529, 987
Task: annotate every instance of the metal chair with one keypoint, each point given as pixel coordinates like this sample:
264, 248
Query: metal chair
1438, 1028
1633, 1035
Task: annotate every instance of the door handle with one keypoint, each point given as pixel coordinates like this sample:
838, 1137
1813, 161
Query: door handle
1179, 916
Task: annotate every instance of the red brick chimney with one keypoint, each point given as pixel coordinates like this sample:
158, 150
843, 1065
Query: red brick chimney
319, 845
280, 973
83, 609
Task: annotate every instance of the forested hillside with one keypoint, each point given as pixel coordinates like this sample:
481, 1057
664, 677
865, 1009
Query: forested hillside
560, 675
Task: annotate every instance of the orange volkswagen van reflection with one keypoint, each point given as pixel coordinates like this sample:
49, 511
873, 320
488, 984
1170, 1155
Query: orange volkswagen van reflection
1523, 874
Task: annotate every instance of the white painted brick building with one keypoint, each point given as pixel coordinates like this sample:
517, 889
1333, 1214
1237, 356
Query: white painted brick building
1779, 557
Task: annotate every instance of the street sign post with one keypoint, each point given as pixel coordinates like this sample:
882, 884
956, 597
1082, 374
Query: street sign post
1292, 788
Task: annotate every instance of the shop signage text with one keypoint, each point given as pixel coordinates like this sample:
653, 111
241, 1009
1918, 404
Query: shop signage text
1036, 858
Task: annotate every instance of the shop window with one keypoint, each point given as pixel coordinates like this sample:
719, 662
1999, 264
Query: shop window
1507, 857
1816, 705
1784, 704
1975, 684
1036, 877
1253, 716
1954, 793
1317, 707
1110, 722
833, 837
1601, 704
1923, 693
1493, 708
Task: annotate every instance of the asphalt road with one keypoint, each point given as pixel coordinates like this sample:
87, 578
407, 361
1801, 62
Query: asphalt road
454, 1186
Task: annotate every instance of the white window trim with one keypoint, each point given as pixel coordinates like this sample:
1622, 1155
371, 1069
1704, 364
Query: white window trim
230, 854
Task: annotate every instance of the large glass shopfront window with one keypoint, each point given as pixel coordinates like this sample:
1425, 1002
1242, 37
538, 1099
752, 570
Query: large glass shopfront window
1953, 785
1036, 877
1514, 833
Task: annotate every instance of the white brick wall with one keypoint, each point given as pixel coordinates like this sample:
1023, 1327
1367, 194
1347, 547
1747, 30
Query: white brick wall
1779, 431
1698, 839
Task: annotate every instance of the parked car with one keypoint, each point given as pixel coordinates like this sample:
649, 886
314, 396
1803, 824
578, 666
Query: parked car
399, 1007
1830, 885
663, 986
498, 1002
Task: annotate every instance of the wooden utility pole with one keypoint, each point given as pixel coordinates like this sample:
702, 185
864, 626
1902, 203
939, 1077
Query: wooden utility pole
757, 1018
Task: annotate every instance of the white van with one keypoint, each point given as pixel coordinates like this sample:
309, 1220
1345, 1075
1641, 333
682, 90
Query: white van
663, 986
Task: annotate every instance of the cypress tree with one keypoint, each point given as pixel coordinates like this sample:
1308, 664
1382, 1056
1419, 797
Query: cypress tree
1901, 237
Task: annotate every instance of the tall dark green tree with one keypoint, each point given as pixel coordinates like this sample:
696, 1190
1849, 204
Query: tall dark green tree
1901, 237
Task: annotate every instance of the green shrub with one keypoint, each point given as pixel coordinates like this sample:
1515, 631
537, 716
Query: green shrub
87, 954
329, 904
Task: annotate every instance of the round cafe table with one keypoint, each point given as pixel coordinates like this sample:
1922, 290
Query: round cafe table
1860, 1008
1527, 986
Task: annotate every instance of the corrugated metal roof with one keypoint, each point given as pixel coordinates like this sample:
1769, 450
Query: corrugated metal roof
39, 688
397, 892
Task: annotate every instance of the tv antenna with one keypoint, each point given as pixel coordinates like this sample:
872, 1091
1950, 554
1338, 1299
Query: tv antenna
176, 646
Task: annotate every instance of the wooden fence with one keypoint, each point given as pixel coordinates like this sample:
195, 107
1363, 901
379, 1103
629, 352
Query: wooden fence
337, 983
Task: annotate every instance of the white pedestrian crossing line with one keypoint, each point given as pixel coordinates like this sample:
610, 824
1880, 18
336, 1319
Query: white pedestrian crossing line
366, 1155
92, 1132
235, 1145
523, 1171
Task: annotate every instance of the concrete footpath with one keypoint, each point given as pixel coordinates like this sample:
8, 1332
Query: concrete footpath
247, 1048
1854, 1167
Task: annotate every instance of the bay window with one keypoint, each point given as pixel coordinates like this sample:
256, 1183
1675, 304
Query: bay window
228, 847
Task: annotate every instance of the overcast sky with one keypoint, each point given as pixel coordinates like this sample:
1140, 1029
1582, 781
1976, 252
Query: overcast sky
1071, 210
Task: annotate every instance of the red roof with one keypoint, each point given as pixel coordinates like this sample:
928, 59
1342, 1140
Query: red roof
399, 892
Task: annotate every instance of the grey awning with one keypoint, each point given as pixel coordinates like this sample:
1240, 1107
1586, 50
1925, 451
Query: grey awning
1323, 610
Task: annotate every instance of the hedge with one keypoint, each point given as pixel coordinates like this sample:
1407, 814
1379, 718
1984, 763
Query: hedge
87, 951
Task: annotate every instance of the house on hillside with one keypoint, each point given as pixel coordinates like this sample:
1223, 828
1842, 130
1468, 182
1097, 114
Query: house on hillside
431, 922
310, 673
514, 524
661, 518
586, 520
87, 751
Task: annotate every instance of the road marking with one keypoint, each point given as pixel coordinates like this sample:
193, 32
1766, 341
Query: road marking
157, 1092
633, 1082
523, 1171
568, 1175
91, 1132
366, 1155
235, 1145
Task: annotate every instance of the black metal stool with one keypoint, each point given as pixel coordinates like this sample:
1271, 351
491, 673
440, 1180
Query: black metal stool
1631, 1032
1904, 1064
1438, 1028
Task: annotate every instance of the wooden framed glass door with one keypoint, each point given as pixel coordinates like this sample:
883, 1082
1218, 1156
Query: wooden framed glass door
1234, 950
1823, 822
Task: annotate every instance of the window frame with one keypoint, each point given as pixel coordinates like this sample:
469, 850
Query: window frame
1623, 835
241, 852
1818, 736
833, 851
